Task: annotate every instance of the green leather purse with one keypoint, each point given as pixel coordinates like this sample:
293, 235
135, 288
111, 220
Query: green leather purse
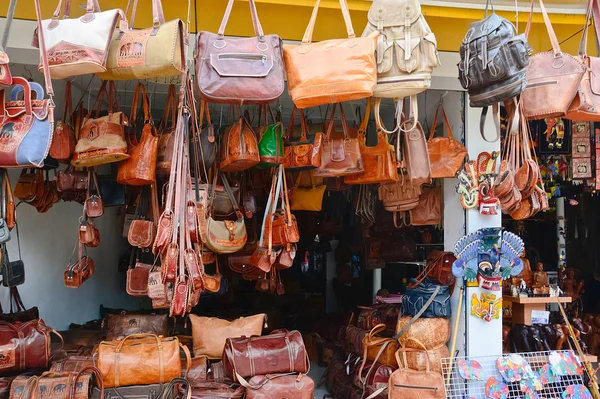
270, 146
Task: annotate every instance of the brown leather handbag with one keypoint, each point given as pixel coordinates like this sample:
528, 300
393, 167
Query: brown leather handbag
415, 158
69, 180
379, 350
142, 231
429, 210
140, 359
415, 359
280, 352
30, 185
284, 228
166, 136
305, 153
24, 346
239, 149
81, 270
240, 70
379, 161
340, 154
213, 390
446, 155
119, 326
438, 269
282, 386
63, 139
137, 278
399, 196
553, 78
334, 70
140, 168
89, 234
93, 205
431, 332
210, 333
409, 384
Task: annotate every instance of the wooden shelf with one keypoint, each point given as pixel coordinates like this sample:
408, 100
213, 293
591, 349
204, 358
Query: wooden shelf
537, 299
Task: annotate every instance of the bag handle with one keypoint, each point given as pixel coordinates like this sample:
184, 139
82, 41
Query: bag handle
258, 30
362, 129
92, 6
313, 19
68, 104
332, 120
404, 350
158, 16
99, 380
139, 336
416, 317
553, 39
435, 118
134, 105
303, 125
170, 109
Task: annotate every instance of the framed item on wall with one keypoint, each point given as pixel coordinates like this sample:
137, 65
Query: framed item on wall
553, 135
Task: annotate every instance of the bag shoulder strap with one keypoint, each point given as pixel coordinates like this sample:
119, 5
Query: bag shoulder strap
553, 39
416, 317
313, 19
258, 30
446, 123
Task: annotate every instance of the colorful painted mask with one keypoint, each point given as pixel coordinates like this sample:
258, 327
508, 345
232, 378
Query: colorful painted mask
486, 306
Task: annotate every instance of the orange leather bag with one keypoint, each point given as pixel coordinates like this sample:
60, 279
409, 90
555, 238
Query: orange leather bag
140, 168
303, 154
429, 210
405, 383
63, 139
379, 161
331, 70
446, 155
166, 135
239, 149
340, 155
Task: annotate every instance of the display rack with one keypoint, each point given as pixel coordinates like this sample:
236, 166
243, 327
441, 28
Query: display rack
459, 388
522, 307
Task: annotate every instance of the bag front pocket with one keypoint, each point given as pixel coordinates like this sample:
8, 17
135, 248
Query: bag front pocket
249, 65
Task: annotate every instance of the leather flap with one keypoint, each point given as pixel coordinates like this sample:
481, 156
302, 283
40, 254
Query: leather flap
242, 64
595, 75
302, 150
484, 27
386, 13
384, 54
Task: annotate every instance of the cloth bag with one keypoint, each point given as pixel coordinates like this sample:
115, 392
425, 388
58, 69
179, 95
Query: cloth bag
331, 71
446, 155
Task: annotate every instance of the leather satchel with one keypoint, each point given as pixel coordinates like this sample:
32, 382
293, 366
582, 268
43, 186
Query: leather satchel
30, 185
340, 155
89, 234
24, 346
101, 139
446, 155
140, 359
63, 139
166, 135
409, 384
153, 52
414, 301
137, 279
400, 196
142, 231
304, 153
331, 71
282, 386
140, 168
429, 210
416, 359
240, 70
553, 78
210, 333
221, 204
81, 270
379, 350
93, 205
27, 125
69, 180
415, 158
214, 390
438, 269
280, 352
119, 326
239, 149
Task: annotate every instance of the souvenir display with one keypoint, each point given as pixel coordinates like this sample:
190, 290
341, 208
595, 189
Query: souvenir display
486, 306
475, 183
576, 392
470, 369
581, 155
495, 389
565, 364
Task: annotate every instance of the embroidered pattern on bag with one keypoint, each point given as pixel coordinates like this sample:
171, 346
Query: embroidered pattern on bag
132, 48
8, 357
8, 133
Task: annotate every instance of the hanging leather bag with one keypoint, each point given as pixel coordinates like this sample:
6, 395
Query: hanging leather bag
284, 228
70, 180
553, 78
239, 149
270, 144
446, 155
399, 196
79, 271
409, 384
340, 155
137, 279
307, 198
146, 53
305, 153
142, 231
429, 210
71, 53
102, 139
331, 71
379, 161
240, 70
140, 359
166, 136
415, 158
63, 139
93, 205
203, 145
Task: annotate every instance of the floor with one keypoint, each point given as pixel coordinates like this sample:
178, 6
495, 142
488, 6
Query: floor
316, 373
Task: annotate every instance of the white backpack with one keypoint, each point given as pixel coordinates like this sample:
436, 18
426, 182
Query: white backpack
406, 49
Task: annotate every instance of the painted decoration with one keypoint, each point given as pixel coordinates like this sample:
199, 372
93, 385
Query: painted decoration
514, 368
565, 363
529, 392
496, 389
486, 306
475, 182
547, 376
576, 392
470, 370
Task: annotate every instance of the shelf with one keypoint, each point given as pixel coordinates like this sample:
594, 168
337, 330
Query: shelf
537, 300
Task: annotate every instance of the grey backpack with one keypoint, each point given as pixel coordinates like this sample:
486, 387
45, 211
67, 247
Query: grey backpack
493, 61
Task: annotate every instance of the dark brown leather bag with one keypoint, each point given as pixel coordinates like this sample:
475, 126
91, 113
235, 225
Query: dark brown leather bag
239, 149
279, 352
305, 153
81, 270
429, 210
354, 339
199, 371
217, 390
69, 180
24, 346
340, 154
240, 70
281, 386
438, 269
18, 313
30, 185
446, 155
94, 207
137, 279
119, 326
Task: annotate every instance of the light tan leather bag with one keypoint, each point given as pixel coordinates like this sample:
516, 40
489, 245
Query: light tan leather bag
210, 333
431, 332
415, 359
553, 78
146, 53
140, 359
446, 155
331, 71
411, 384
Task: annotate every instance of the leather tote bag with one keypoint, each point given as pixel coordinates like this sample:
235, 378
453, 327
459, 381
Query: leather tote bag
102, 139
331, 71
416, 359
446, 155
153, 52
240, 70
140, 359
378, 349
379, 161
410, 384
25, 126
210, 333
307, 198
239, 148
63, 139
166, 136
429, 210
140, 168
432, 332
553, 78
280, 386
303, 153
119, 326
280, 352
586, 104
414, 146
340, 154
79, 46
24, 346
